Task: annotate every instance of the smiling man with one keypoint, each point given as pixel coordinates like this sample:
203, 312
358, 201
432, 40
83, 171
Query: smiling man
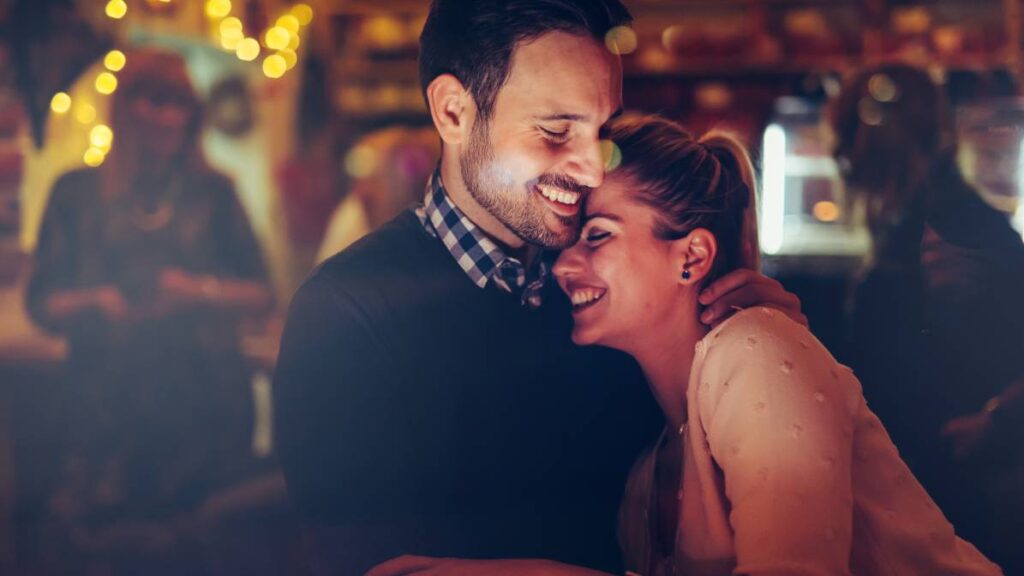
429, 398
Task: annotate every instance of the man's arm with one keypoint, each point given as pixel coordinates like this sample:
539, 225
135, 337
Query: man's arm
329, 418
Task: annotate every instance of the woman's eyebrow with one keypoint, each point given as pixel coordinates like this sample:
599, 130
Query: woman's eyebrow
608, 215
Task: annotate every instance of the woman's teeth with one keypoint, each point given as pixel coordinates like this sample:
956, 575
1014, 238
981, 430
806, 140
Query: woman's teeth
556, 195
586, 296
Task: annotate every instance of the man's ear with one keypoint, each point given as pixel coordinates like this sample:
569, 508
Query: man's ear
452, 108
694, 255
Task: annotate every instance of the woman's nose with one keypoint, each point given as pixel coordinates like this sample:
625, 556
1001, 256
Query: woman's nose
569, 263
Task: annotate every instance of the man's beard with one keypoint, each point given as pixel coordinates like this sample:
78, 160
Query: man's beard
494, 189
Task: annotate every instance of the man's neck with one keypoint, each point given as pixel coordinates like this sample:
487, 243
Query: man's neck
459, 194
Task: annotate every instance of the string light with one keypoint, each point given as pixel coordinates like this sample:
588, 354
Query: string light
60, 103
114, 60
106, 83
248, 49
218, 8
116, 9
93, 157
101, 136
277, 38
303, 13
274, 66
289, 23
289, 57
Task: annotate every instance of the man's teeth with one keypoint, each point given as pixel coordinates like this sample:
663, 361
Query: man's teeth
557, 195
586, 296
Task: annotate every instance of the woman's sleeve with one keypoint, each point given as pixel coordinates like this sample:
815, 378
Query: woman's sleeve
53, 260
780, 426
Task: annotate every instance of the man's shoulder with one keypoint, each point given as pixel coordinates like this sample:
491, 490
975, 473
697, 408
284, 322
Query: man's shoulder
395, 246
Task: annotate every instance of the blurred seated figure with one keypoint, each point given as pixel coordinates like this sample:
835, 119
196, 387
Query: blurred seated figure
147, 265
388, 168
937, 324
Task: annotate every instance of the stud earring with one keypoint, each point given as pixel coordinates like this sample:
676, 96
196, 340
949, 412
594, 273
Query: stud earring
686, 274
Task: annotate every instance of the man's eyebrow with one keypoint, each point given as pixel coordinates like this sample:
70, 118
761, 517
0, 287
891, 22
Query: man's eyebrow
608, 215
563, 117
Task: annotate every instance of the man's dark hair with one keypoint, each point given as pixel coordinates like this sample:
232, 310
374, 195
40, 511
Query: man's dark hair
474, 40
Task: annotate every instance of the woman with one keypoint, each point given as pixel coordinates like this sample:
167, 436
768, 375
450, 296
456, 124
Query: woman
147, 265
770, 462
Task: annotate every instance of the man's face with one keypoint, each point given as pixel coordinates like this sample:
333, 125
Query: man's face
533, 162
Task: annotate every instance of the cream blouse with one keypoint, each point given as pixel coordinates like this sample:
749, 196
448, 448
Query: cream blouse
787, 471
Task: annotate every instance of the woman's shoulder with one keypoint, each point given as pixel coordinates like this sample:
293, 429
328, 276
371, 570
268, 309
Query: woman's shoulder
760, 328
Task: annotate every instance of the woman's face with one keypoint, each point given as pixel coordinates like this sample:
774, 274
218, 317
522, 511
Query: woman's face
621, 280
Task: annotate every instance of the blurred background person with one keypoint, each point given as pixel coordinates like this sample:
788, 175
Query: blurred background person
937, 322
147, 265
387, 168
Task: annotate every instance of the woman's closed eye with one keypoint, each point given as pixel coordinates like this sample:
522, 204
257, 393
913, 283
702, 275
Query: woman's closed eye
595, 237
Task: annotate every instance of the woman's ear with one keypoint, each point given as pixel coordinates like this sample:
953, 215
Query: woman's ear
452, 108
694, 255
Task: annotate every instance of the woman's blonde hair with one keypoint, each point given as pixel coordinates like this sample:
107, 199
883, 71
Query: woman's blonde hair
706, 182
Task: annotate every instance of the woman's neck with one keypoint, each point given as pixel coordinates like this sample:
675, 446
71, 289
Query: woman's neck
665, 355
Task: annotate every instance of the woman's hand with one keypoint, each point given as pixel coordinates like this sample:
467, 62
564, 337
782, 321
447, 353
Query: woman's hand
428, 566
744, 288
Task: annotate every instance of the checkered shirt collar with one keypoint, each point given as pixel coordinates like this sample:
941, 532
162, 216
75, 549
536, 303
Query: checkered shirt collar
479, 256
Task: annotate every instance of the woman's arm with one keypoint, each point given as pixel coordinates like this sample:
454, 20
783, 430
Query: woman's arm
778, 412
427, 566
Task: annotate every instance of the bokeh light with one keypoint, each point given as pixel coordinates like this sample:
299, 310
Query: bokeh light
85, 113
106, 83
248, 49
290, 58
60, 103
93, 157
229, 25
611, 155
114, 60
274, 66
621, 40
293, 42
826, 211
303, 13
116, 9
101, 136
218, 8
361, 161
277, 38
289, 23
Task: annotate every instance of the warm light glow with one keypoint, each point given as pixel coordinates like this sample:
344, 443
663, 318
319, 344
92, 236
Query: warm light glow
116, 9
85, 113
274, 66
229, 40
60, 103
773, 207
229, 25
361, 161
289, 23
101, 136
248, 49
106, 83
303, 13
93, 157
277, 38
289, 57
826, 211
293, 42
621, 40
611, 155
115, 60
218, 8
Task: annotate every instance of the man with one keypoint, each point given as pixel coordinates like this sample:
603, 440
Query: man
428, 393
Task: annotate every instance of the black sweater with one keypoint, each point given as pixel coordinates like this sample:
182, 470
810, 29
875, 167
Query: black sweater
439, 418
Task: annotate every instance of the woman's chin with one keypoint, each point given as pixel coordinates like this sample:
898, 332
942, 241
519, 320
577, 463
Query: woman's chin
583, 337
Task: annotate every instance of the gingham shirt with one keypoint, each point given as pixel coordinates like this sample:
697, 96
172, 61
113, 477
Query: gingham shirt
479, 256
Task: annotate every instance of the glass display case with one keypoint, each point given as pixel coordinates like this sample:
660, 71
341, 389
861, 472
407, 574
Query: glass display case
803, 216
